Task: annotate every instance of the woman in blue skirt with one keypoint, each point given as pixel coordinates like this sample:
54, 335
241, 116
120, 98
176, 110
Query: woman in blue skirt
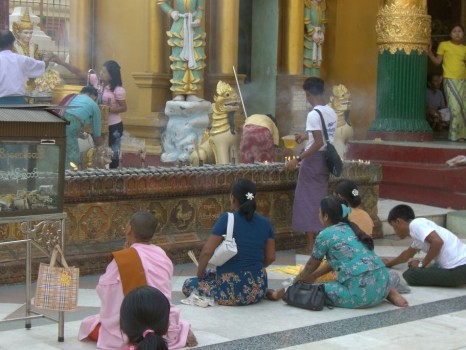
242, 280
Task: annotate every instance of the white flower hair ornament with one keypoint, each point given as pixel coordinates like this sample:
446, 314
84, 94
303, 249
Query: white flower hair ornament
355, 192
249, 196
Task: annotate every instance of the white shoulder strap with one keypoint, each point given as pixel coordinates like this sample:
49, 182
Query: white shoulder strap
230, 225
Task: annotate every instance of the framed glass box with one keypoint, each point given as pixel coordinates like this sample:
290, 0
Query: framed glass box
32, 156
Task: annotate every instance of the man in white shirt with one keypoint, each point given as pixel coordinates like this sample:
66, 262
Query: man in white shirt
439, 244
313, 176
15, 70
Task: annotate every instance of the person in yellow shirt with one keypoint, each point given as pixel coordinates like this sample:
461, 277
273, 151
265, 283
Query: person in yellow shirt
348, 190
452, 55
259, 140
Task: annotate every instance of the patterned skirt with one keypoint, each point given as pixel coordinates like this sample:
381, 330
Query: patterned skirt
72, 144
232, 289
365, 290
455, 90
256, 144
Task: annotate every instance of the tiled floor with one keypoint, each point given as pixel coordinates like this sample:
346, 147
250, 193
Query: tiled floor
436, 318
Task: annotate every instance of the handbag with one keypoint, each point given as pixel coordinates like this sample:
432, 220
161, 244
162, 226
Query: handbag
333, 159
57, 287
227, 249
305, 295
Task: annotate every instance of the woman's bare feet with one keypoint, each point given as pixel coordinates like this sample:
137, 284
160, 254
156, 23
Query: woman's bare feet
396, 298
275, 294
191, 340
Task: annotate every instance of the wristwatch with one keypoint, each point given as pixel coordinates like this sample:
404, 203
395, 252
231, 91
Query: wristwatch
298, 158
420, 265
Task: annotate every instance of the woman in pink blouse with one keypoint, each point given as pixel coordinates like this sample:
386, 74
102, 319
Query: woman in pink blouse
112, 93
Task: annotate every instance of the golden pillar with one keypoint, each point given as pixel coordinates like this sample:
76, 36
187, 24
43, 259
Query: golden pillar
81, 16
292, 47
153, 85
222, 37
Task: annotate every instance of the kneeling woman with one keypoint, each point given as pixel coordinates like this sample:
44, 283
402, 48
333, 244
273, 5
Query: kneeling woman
242, 280
363, 280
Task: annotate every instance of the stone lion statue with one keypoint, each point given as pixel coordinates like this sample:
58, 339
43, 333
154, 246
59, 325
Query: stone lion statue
220, 142
340, 101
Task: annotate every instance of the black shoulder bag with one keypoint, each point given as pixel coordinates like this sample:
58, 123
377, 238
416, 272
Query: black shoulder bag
333, 159
305, 295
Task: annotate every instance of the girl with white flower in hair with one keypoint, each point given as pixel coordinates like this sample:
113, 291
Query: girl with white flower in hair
242, 280
348, 190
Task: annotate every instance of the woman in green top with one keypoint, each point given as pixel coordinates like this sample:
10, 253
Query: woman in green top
363, 280
452, 55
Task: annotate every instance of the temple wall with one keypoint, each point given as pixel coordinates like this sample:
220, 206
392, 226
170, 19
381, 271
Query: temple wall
122, 34
351, 53
187, 202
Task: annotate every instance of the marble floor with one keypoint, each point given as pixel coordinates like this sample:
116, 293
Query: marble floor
435, 319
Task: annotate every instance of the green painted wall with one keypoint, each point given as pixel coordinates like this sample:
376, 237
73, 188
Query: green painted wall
259, 93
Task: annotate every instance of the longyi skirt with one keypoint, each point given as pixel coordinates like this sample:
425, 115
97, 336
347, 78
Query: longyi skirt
312, 186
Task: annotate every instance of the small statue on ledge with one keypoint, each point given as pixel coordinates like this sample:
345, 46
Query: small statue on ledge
22, 31
187, 41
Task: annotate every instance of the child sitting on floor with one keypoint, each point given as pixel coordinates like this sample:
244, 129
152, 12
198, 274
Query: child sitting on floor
144, 318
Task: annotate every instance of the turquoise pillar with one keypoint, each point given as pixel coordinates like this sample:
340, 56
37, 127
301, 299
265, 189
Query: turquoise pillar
259, 94
401, 93
403, 37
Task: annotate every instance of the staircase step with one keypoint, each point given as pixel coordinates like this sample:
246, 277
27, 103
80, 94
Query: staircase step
456, 223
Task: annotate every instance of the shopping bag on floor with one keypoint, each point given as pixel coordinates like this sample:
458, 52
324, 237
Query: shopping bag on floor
57, 287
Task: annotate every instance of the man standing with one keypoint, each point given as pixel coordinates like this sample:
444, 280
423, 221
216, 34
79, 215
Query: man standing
139, 265
16, 69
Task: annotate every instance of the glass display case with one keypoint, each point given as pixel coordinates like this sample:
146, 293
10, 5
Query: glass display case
32, 156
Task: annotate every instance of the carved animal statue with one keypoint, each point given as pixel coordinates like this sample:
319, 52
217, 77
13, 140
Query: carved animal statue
221, 141
340, 101
97, 157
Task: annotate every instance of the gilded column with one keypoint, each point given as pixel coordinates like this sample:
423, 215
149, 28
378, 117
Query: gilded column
293, 38
158, 48
81, 33
222, 40
403, 38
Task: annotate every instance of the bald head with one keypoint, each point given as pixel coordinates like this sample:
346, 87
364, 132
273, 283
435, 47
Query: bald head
6, 40
144, 225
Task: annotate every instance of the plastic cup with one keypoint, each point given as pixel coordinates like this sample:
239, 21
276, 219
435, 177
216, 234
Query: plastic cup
289, 141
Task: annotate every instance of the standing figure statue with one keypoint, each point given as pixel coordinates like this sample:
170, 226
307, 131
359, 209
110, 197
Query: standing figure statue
314, 20
187, 41
22, 31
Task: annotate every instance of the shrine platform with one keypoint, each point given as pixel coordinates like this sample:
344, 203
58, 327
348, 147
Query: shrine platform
436, 318
417, 171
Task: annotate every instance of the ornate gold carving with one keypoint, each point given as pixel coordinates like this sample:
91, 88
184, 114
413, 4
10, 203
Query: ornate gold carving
94, 223
403, 25
182, 215
161, 214
208, 212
